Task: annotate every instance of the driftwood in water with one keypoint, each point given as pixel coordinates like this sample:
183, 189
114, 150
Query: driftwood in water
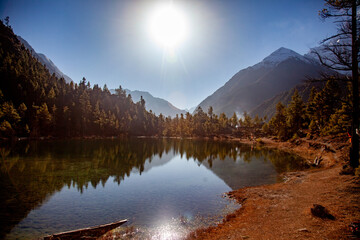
86, 233
317, 161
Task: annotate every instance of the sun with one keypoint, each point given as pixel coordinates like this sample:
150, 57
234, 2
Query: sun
167, 26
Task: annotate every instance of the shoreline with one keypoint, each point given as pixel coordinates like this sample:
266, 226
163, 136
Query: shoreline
283, 210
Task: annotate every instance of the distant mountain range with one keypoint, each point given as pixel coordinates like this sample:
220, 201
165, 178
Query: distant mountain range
45, 61
190, 110
256, 89
156, 105
281, 71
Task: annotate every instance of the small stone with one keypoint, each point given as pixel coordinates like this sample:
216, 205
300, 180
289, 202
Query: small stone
303, 230
321, 212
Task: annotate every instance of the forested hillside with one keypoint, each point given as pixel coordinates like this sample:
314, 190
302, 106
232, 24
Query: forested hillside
35, 103
327, 112
281, 71
268, 107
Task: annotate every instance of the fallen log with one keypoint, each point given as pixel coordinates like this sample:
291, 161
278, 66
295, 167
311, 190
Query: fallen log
87, 233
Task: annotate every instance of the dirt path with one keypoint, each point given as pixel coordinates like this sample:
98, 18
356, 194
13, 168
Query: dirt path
282, 211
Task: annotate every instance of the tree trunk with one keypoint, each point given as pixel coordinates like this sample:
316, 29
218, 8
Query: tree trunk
354, 153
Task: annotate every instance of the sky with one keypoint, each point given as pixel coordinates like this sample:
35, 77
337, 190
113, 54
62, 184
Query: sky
109, 42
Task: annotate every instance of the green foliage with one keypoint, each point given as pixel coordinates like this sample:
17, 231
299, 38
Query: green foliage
266, 129
6, 129
277, 124
234, 120
327, 112
9, 119
247, 121
295, 114
58, 108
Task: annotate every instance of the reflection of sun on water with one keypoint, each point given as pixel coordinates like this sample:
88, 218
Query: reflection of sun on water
169, 232
172, 228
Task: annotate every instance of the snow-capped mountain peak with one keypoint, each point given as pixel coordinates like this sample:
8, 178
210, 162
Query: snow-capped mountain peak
280, 55
279, 72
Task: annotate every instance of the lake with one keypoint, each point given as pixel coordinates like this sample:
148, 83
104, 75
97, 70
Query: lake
178, 185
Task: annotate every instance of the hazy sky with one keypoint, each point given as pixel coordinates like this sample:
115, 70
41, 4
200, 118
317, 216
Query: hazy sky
108, 41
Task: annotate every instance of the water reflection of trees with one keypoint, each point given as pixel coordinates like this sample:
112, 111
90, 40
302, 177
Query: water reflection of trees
80, 163
30, 172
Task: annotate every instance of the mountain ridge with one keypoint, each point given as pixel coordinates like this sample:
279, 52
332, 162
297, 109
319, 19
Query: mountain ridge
280, 71
45, 61
155, 104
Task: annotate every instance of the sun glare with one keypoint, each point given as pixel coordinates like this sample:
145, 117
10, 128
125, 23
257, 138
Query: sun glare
168, 26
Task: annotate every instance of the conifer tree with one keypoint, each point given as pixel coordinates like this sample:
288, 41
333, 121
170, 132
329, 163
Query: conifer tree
277, 124
247, 121
295, 114
257, 121
342, 53
9, 119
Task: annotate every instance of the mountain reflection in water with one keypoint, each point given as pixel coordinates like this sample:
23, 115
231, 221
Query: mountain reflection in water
32, 172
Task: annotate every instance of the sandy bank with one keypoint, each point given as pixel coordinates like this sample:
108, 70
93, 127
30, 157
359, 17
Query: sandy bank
282, 211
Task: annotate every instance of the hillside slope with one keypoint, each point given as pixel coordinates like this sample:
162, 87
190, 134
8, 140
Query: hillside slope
280, 71
45, 61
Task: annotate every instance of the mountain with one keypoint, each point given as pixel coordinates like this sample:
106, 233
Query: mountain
281, 71
156, 105
155, 161
45, 61
268, 107
327, 56
191, 110
240, 174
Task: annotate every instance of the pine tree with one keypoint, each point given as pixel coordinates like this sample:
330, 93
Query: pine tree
295, 115
43, 120
257, 121
277, 124
85, 110
342, 53
9, 119
247, 121
340, 121
199, 118
234, 120
311, 107
224, 123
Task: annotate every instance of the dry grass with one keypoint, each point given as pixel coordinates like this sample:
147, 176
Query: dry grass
282, 211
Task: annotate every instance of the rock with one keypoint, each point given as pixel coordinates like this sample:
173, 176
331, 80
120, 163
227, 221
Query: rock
321, 212
347, 170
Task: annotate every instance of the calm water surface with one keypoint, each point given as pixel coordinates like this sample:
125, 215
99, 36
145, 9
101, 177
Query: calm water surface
176, 185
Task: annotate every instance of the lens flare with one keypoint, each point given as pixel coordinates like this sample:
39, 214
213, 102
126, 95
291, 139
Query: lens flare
168, 26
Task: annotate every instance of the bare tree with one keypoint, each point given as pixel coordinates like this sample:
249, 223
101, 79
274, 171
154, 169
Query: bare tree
7, 20
341, 52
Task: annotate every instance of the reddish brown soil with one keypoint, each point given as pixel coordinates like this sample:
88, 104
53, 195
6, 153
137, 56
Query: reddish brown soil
282, 211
